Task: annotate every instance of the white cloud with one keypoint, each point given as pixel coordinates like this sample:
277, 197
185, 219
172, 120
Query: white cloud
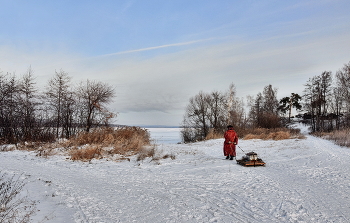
156, 89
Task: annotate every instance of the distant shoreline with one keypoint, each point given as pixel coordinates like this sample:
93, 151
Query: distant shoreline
159, 126
148, 126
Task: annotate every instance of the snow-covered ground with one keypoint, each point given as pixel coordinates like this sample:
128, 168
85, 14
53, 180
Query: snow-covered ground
305, 180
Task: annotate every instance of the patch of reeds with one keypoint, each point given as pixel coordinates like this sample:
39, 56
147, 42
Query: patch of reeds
273, 134
112, 136
86, 154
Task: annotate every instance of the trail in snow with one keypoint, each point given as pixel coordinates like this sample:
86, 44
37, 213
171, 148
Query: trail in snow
304, 181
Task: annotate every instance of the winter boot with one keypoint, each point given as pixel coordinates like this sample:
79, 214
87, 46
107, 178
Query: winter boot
231, 158
227, 157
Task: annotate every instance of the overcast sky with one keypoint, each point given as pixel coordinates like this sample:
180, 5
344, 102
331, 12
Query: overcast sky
158, 53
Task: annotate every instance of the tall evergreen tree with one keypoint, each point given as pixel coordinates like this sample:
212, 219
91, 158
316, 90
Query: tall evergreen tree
287, 103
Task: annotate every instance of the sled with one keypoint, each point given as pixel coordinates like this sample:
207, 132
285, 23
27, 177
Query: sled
251, 159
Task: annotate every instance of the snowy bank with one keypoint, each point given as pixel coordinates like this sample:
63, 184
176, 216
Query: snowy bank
305, 180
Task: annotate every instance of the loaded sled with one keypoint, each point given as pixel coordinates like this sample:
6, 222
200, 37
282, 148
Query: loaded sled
251, 159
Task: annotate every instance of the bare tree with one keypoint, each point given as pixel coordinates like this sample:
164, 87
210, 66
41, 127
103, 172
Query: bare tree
8, 108
196, 124
69, 114
317, 99
59, 100
326, 89
93, 97
217, 111
28, 102
256, 110
337, 106
270, 100
235, 109
264, 110
343, 85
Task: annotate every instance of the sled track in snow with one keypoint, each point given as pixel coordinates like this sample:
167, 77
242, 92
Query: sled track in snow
208, 204
317, 177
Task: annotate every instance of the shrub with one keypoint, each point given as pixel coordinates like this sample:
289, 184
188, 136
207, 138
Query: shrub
146, 153
14, 206
154, 154
339, 137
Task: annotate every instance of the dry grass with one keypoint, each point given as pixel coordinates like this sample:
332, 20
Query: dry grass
109, 136
274, 134
106, 142
339, 137
262, 133
86, 154
42, 149
96, 144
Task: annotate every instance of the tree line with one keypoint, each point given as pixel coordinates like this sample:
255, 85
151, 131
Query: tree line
325, 103
327, 100
61, 110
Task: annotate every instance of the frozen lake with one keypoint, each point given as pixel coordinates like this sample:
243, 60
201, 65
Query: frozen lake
165, 135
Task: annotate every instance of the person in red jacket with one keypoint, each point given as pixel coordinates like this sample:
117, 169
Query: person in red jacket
231, 140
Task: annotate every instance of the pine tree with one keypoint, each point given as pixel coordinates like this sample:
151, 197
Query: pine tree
287, 103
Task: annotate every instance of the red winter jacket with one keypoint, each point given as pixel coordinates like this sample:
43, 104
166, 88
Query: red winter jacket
231, 139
